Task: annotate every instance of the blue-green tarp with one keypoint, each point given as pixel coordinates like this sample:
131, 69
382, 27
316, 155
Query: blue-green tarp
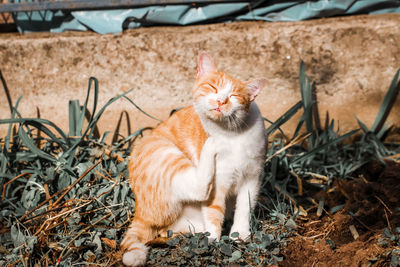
114, 21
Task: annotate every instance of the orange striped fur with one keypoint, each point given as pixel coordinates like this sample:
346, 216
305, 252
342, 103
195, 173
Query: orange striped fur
150, 168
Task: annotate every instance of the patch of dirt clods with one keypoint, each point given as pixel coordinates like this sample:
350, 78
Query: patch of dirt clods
369, 204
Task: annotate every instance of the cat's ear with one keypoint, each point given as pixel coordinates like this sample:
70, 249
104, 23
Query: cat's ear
255, 86
205, 64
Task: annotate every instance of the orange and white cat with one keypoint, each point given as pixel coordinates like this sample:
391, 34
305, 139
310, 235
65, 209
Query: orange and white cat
183, 172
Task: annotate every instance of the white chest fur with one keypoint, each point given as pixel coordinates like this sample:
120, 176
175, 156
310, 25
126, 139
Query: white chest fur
239, 152
239, 164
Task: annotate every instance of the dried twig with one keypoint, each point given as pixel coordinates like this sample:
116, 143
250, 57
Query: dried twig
63, 192
39, 205
104, 177
3, 193
318, 176
287, 196
38, 216
291, 143
387, 220
79, 234
69, 188
48, 221
299, 183
114, 155
384, 205
363, 224
395, 158
46, 190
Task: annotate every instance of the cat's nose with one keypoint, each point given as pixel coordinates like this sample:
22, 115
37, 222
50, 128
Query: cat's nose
221, 102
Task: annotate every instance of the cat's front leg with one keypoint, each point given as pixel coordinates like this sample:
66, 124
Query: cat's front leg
214, 211
245, 203
206, 169
196, 182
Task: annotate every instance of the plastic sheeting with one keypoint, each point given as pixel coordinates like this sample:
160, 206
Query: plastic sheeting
115, 21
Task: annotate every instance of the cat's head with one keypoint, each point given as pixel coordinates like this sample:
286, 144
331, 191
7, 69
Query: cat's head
221, 97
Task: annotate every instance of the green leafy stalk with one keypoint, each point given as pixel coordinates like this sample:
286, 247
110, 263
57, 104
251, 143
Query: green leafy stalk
387, 104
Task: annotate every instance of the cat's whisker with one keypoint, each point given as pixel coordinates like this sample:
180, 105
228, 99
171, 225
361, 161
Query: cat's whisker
235, 122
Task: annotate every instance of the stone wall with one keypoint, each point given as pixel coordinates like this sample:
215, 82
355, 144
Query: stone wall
351, 59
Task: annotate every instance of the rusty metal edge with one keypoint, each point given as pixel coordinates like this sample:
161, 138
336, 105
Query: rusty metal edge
98, 4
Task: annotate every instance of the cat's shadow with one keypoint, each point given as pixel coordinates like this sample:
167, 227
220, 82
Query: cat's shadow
230, 211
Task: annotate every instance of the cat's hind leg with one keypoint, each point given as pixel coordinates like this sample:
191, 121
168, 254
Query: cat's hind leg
133, 244
191, 220
163, 180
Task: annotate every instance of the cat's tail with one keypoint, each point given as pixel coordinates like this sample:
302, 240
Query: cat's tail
133, 245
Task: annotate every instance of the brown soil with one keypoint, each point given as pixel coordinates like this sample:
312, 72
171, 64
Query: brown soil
371, 205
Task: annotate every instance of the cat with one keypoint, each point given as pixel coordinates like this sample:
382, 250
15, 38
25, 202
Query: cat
184, 171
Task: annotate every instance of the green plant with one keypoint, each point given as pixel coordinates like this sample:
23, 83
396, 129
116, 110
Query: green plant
61, 183
65, 198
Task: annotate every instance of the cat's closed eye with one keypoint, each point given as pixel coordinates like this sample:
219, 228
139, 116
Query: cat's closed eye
212, 87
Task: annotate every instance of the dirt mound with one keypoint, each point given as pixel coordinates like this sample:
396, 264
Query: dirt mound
359, 226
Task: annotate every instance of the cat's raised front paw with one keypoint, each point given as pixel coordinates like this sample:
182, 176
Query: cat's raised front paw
210, 146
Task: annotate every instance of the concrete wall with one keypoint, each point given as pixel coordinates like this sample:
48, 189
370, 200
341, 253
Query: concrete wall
352, 60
